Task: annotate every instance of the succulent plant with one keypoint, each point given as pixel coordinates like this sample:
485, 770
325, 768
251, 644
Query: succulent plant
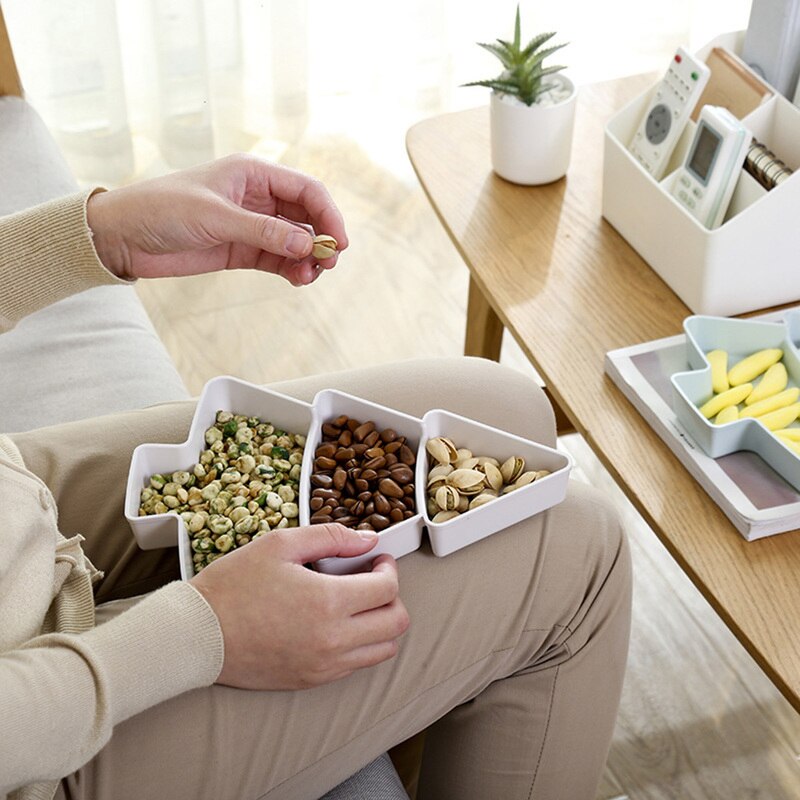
523, 68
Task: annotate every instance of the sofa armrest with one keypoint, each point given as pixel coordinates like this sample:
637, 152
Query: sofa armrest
9, 76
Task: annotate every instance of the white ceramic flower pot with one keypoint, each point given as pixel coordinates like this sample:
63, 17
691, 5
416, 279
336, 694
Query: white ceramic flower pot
531, 145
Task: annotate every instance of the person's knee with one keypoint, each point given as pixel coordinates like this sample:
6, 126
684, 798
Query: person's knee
588, 532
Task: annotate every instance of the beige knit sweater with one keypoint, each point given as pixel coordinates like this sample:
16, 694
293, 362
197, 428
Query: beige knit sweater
64, 683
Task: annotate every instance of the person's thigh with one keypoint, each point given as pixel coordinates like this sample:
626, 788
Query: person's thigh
545, 601
85, 463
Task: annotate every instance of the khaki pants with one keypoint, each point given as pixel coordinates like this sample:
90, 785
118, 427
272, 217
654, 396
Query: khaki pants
514, 659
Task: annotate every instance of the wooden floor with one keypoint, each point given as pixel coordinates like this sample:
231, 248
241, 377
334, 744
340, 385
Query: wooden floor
699, 721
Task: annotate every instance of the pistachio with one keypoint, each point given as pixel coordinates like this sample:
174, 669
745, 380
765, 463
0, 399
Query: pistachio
447, 498
440, 469
324, 247
494, 478
436, 481
442, 450
444, 516
526, 478
467, 481
481, 500
512, 468
466, 463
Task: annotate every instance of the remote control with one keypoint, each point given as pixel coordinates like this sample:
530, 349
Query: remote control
673, 102
705, 182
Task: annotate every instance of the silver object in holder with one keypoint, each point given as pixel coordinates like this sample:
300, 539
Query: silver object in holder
765, 166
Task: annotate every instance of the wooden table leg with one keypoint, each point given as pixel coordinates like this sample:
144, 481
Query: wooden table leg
485, 337
484, 328
9, 77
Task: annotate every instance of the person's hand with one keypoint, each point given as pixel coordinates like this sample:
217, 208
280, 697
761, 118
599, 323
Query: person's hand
286, 627
237, 212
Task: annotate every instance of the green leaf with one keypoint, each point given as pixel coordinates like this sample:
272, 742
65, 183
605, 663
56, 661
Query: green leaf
506, 59
551, 70
543, 54
517, 31
535, 43
506, 87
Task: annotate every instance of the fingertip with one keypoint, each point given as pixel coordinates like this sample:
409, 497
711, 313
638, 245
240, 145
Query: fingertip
299, 243
384, 563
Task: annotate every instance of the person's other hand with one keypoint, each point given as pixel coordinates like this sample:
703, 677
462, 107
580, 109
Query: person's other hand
286, 627
236, 212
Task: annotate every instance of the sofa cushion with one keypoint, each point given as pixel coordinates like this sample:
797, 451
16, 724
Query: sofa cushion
91, 354
32, 169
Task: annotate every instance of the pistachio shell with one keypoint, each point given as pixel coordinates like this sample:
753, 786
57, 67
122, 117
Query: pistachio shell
482, 460
526, 478
432, 507
442, 450
467, 481
494, 478
542, 473
435, 482
443, 516
463, 504
462, 453
447, 498
481, 500
324, 246
440, 469
466, 463
512, 468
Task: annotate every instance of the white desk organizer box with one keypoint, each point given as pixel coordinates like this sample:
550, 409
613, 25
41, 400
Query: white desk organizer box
749, 262
240, 397
739, 338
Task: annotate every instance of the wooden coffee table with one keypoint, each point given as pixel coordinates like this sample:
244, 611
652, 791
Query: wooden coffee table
546, 266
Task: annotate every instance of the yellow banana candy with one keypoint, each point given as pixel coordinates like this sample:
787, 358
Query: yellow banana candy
780, 418
730, 398
788, 433
718, 359
729, 414
751, 367
785, 398
794, 446
775, 380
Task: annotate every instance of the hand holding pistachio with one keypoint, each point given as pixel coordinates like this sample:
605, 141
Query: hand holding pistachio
237, 212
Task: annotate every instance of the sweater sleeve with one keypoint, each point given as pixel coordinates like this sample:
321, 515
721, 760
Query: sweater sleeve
166, 644
46, 254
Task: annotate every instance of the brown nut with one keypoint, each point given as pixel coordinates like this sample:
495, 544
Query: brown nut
389, 488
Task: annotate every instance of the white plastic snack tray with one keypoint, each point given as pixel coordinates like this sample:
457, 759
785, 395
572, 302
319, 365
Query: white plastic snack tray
739, 338
240, 397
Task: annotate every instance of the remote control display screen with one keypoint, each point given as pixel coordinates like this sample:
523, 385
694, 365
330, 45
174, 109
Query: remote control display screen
705, 148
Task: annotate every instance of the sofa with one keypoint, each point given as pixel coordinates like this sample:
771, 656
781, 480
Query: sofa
50, 362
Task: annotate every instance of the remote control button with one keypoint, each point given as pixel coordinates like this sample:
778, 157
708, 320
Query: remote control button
684, 180
658, 124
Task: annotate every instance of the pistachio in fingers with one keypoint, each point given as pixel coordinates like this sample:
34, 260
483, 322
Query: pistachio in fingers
324, 247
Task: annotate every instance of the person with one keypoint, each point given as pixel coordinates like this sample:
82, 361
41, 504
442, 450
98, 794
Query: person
260, 677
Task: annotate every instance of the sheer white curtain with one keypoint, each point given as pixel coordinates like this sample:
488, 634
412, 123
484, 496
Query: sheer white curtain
137, 87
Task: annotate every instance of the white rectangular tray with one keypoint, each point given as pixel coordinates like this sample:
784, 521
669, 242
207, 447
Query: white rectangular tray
757, 500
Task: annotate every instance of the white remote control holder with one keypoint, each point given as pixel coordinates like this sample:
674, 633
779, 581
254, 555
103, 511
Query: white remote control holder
671, 106
705, 182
